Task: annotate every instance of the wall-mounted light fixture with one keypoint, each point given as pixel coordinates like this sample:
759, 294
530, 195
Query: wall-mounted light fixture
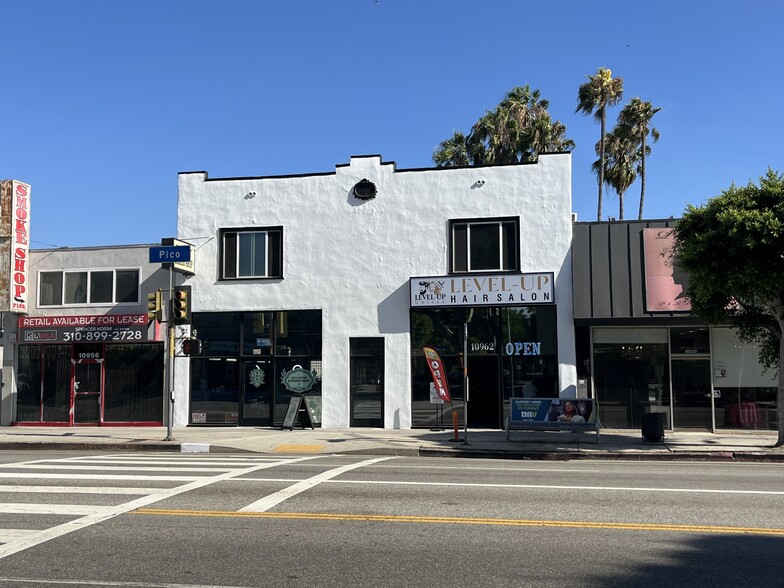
250, 195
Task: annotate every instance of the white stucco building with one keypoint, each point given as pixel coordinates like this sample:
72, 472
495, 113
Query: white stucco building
329, 284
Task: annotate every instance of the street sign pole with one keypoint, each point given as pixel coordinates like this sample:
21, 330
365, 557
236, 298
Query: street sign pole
170, 357
170, 254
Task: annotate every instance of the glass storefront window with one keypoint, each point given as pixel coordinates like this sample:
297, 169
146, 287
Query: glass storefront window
631, 375
523, 341
214, 390
690, 341
257, 333
238, 377
134, 395
219, 333
298, 333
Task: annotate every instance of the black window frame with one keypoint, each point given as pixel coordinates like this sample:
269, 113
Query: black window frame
230, 253
509, 256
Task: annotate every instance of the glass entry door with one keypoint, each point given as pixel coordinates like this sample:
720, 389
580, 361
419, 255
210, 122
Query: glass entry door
691, 393
87, 383
367, 382
256, 392
484, 404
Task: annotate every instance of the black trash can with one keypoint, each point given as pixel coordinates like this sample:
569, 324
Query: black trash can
653, 426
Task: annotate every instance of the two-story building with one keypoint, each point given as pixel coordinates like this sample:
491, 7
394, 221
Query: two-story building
329, 285
84, 352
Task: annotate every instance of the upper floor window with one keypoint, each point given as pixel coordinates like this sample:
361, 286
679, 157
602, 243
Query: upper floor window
485, 245
62, 288
252, 253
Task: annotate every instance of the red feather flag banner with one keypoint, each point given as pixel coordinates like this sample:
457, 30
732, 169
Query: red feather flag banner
437, 371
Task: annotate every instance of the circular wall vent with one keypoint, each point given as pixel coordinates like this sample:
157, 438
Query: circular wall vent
365, 190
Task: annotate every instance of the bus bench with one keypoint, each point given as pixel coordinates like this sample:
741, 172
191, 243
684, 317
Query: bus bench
552, 414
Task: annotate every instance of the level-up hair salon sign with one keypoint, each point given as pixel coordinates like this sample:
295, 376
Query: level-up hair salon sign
483, 290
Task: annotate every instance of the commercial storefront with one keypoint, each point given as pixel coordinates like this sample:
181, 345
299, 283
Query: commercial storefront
641, 349
85, 353
502, 328
252, 363
306, 285
88, 370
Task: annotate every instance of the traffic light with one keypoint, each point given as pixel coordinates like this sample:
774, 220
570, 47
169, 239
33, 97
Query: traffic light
155, 306
181, 305
191, 346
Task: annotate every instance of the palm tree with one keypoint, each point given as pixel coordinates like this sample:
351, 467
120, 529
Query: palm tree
622, 155
518, 130
637, 115
520, 109
546, 136
452, 152
599, 92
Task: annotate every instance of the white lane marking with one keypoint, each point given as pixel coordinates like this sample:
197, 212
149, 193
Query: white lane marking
52, 509
106, 513
78, 489
525, 486
44, 476
7, 535
272, 500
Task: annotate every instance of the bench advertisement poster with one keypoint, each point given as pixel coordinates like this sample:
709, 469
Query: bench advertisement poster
552, 411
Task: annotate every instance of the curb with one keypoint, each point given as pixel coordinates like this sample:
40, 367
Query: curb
421, 451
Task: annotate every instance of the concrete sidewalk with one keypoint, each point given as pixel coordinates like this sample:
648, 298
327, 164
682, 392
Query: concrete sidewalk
613, 444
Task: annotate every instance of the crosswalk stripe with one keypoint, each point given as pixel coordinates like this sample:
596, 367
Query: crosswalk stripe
54, 509
276, 498
78, 489
120, 468
42, 476
7, 535
168, 461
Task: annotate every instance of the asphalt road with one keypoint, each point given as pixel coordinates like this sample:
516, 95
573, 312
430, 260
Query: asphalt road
175, 520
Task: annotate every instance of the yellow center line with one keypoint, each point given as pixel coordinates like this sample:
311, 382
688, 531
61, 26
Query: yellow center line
460, 521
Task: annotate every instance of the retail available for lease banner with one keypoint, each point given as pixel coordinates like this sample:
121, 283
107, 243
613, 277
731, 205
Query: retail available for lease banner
483, 290
83, 329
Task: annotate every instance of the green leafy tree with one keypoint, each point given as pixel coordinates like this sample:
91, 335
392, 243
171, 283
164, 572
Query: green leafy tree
622, 154
593, 97
636, 116
517, 130
733, 250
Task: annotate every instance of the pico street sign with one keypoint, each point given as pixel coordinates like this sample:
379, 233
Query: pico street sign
170, 254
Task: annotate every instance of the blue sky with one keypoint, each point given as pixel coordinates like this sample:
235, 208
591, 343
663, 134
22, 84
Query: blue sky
104, 102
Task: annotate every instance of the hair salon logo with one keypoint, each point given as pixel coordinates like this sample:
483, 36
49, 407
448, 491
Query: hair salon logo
256, 376
433, 290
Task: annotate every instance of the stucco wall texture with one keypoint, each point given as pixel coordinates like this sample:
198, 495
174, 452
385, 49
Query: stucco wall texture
352, 259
